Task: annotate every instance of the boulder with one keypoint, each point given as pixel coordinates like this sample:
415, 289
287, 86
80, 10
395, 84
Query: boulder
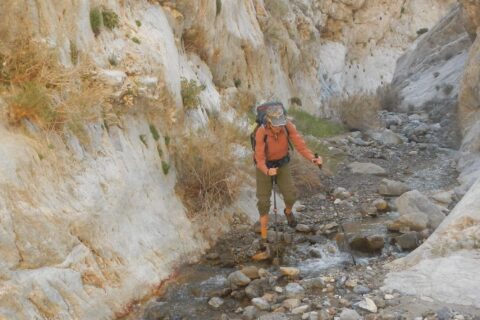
392, 188
367, 168
408, 241
368, 305
417, 212
370, 243
238, 279
386, 137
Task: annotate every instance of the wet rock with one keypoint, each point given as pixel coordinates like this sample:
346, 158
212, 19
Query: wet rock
238, 279
444, 313
250, 313
408, 241
341, 193
294, 290
368, 305
291, 303
216, 302
366, 168
303, 228
313, 283
392, 188
367, 244
289, 271
261, 304
251, 272
380, 204
317, 239
156, 310
315, 253
349, 314
417, 212
361, 290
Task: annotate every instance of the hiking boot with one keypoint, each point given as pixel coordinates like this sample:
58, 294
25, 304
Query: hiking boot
264, 251
292, 222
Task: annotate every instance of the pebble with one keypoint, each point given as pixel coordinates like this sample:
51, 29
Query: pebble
303, 228
216, 302
368, 305
291, 303
389, 297
289, 271
250, 313
237, 278
278, 289
251, 272
349, 314
301, 309
294, 290
261, 304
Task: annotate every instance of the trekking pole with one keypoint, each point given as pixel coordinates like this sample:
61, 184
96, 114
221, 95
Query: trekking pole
276, 260
345, 240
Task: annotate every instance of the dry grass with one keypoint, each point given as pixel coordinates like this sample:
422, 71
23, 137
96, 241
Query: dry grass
304, 174
195, 40
358, 111
389, 96
207, 178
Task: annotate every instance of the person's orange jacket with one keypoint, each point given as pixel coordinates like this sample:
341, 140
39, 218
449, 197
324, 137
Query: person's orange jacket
278, 146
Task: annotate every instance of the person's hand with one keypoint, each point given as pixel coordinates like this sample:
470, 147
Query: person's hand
272, 171
318, 161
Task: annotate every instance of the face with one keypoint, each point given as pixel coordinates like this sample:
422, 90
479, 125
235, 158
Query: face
276, 130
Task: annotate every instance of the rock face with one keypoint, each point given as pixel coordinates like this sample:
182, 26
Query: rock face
86, 230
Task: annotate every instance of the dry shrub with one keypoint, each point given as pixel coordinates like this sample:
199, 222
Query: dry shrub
38, 88
389, 96
304, 175
246, 101
358, 111
195, 40
207, 179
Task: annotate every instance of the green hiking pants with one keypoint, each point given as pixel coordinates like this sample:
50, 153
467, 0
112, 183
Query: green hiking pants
264, 189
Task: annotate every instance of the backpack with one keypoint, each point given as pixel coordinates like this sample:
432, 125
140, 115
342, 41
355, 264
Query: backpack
260, 120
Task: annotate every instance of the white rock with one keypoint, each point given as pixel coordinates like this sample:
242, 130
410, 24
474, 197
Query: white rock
216, 302
261, 304
368, 305
366, 168
301, 309
112, 77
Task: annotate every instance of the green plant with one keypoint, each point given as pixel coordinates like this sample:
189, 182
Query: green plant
311, 125
154, 132
138, 23
237, 82
165, 167
136, 40
34, 102
112, 59
96, 20
160, 152
190, 91
447, 89
143, 138
402, 11
422, 31
167, 141
110, 19
73, 52
296, 100
219, 7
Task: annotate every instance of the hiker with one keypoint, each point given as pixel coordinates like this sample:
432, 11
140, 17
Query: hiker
271, 145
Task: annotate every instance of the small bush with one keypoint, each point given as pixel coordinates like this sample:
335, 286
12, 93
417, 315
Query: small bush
219, 7
74, 52
110, 19
160, 152
389, 97
33, 102
190, 91
237, 83
167, 141
296, 100
447, 89
154, 132
136, 40
305, 178
422, 31
358, 111
308, 124
96, 20
195, 41
207, 179
165, 167
246, 101
112, 59
138, 23
143, 138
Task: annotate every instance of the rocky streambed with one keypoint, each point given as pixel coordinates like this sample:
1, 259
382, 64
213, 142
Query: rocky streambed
392, 189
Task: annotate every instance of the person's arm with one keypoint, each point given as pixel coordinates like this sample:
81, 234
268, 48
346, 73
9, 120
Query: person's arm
298, 142
260, 156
